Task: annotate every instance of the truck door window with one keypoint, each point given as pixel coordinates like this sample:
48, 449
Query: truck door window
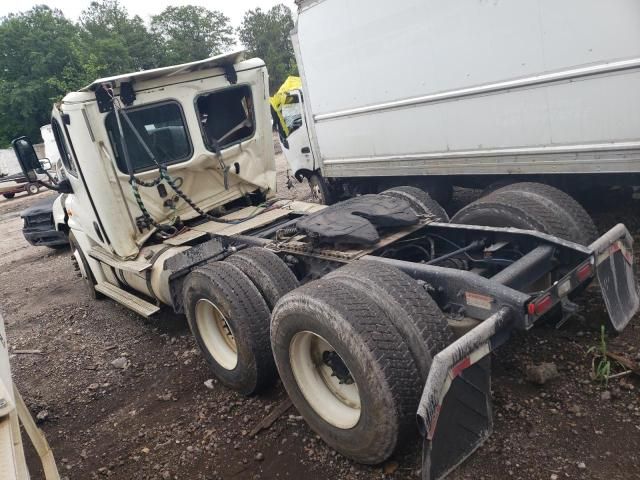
292, 113
226, 117
65, 155
163, 129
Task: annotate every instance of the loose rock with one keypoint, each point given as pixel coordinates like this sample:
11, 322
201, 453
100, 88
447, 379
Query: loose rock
542, 373
121, 363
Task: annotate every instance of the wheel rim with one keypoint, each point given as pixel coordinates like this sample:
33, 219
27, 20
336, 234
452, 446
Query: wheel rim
216, 334
33, 189
324, 380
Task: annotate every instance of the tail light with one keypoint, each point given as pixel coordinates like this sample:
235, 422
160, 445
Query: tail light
584, 271
540, 305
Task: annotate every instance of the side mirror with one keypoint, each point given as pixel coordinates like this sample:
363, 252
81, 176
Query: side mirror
27, 157
64, 186
45, 164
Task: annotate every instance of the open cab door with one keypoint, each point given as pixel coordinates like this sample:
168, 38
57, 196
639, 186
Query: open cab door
289, 115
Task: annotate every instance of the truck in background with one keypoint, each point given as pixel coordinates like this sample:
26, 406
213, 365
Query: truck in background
16, 183
13, 180
470, 93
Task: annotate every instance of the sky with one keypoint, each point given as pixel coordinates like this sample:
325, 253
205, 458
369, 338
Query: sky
234, 9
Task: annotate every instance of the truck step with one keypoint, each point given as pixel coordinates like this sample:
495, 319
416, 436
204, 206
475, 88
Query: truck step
127, 299
103, 256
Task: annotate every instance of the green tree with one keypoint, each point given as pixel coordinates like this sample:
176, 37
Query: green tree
266, 35
191, 33
114, 42
40, 61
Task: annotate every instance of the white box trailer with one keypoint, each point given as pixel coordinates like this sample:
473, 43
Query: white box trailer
465, 92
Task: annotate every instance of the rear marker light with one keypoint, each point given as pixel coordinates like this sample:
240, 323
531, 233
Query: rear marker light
540, 306
584, 272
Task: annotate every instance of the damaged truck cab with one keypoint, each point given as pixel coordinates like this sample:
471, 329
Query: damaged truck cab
370, 310
208, 130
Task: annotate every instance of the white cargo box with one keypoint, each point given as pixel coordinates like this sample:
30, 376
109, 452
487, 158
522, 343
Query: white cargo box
440, 87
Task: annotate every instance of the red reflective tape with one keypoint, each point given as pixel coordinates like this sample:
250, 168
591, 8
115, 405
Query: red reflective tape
460, 366
434, 422
628, 256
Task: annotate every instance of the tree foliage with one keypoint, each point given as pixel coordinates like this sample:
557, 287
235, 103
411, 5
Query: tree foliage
43, 55
114, 42
191, 33
266, 35
39, 61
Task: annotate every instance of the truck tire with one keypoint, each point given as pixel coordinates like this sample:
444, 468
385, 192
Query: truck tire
8, 195
346, 369
498, 184
420, 202
267, 272
521, 209
320, 191
441, 191
81, 264
411, 309
32, 189
576, 213
230, 322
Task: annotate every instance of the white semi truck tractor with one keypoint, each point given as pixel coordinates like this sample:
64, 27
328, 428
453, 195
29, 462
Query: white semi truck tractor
371, 311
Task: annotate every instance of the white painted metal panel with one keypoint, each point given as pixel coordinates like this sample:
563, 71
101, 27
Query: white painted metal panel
420, 80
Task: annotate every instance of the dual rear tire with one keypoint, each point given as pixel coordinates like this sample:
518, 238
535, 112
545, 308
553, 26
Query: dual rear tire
531, 206
350, 348
228, 307
353, 351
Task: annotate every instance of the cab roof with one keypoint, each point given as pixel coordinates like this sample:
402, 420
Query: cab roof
230, 58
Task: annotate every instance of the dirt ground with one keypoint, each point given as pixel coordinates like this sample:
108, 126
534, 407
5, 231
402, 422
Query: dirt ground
156, 418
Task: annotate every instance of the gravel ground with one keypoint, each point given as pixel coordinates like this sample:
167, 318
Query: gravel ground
123, 397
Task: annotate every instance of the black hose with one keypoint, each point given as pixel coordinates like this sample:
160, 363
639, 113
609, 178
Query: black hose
475, 245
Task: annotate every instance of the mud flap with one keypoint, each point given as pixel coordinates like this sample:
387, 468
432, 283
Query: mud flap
464, 422
455, 411
615, 271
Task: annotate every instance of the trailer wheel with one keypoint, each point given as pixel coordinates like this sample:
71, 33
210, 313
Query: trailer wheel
413, 312
230, 322
420, 201
346, 369
8, 195
498, 184
441, 191
320, 191
32, 189
509, 207
267, 271
81, 264
583, 223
